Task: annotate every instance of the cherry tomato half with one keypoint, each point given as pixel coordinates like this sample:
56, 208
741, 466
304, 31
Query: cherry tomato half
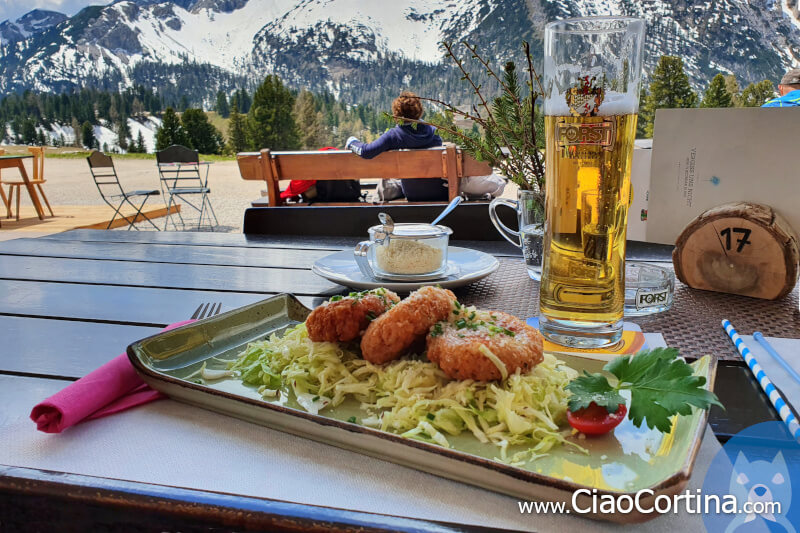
596, 420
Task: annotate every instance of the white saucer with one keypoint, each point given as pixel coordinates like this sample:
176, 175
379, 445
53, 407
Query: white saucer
464, 266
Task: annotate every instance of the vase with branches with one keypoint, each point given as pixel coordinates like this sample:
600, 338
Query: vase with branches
508, 135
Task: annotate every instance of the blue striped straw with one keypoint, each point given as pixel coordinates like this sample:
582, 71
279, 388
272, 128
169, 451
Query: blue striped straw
769, 389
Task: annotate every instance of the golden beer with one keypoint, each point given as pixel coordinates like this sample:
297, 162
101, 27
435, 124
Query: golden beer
588, 166
591, 86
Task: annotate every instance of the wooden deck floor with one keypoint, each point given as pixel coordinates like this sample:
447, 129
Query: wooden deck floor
72, 217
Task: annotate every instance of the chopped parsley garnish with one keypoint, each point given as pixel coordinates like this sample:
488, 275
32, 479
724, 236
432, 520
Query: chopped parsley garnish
352, 420
494, 330
458, 305
315, 398
461, 323
437, 330
472, 315
430, 416
336, 298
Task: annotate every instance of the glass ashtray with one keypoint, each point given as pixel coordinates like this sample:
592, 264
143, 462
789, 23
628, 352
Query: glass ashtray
648, 289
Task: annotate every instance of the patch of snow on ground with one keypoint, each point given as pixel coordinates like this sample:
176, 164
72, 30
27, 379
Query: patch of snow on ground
148, 129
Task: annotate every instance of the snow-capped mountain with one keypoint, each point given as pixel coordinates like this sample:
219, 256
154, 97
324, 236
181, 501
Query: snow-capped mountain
364, 50
30, 23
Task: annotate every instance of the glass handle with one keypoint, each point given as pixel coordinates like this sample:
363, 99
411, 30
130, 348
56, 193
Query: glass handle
360, 253
504, 230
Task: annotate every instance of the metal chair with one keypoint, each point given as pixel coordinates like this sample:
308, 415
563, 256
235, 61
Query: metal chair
105, 177
180, 172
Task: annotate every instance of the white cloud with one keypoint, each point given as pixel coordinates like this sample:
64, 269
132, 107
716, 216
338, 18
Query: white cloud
13, 9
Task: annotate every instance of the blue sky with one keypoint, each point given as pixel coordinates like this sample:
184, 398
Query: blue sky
12, 9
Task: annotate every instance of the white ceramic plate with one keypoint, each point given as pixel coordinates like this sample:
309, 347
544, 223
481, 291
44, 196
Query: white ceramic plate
465, 266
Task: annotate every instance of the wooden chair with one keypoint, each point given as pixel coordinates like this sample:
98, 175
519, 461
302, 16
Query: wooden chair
3, 196
447, 162
37, 180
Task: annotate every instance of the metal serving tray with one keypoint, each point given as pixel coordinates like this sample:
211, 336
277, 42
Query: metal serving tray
628, 460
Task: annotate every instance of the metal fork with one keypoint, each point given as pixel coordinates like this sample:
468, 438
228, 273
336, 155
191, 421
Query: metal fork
207, 310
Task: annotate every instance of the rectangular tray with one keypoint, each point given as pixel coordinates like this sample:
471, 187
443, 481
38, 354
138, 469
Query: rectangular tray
621, 463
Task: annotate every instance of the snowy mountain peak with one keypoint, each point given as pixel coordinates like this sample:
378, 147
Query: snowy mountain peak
366, 50
28, 24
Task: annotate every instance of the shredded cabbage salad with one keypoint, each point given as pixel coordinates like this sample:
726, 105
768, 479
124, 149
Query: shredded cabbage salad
412, 396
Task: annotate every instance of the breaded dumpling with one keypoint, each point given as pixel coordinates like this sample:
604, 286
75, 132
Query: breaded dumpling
390, 335
484, 345
344, 318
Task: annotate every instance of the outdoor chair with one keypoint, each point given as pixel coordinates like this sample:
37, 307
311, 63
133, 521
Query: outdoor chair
105, 177
37, 180
3, 196
181, 176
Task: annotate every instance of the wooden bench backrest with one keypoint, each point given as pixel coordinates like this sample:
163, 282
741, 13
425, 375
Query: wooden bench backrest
442, 162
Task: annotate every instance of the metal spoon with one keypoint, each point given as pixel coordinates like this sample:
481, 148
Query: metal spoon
452, 205
388, 223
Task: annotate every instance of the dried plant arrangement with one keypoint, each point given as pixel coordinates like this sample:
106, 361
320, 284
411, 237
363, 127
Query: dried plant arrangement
508, 134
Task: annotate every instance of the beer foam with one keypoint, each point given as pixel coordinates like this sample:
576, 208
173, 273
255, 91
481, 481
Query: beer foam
614, 103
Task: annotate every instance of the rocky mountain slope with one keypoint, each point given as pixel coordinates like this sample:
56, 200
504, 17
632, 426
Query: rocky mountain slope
32, 22
363, 51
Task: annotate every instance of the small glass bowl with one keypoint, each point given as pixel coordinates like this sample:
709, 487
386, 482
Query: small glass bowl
411, 251
648, 289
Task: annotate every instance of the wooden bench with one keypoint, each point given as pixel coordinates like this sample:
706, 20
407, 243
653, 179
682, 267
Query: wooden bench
447, 162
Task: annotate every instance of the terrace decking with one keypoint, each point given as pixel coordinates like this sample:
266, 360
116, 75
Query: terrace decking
71, 217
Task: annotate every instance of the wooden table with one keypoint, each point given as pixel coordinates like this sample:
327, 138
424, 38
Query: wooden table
69, 302
15, 161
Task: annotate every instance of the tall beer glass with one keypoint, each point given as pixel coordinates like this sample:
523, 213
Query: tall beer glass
592, 72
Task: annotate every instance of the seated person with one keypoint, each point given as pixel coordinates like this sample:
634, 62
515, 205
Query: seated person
407, 135
789, 89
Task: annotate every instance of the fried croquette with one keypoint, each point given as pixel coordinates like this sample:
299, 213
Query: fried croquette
390, 335
478, 344
344, 318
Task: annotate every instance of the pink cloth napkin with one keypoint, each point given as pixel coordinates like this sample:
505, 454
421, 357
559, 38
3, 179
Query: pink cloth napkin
112, 388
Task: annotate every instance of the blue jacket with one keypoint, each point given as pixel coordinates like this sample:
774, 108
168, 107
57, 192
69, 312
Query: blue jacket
407, 136
790, 99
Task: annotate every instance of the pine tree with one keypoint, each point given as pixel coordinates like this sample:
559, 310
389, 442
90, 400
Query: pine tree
123, 132
40, 138
645, 119
141, 147
171, 131
29, 131
76, 132
732, 86
222, 107
669, 88
201, 134
242, 100
87, 135
270, 121
237, 130
309, 122
717, 94
755, 94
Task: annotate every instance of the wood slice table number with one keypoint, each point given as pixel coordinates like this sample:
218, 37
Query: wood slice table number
739, 248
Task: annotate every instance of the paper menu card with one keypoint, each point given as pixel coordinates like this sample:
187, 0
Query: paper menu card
703, 158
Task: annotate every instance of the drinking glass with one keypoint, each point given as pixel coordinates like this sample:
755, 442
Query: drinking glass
592, 73
530, 218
